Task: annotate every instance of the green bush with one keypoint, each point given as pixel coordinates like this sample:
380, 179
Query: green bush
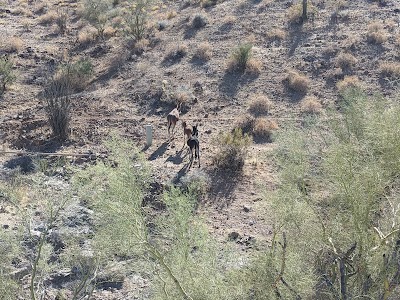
240, 57
77, 74
7, 75
136, 19
232, 150
96, 13
336, 207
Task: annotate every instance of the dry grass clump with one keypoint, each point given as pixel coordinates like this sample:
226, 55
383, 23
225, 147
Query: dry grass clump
14, 44
229, 20
241, 60
109, 32
263, 129
260, 128
203, 51
294, 13
87, 36
276, 34
390, 69
297, 82
345, 60
140, 46
376, 34
311, 105
260, 105
48, 18
349, 82
177, 52
171, 14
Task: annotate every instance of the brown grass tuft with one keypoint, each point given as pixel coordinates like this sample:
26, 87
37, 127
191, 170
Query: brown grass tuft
48, 18
390, 69
376, 34
260, 105
264, 128
14, 44
276, 34
345, 60
203, 51
87, 36
297, 82
347, 83
253, 66
311, 105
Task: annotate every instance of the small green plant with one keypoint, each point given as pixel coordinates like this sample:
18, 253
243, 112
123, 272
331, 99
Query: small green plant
77, 73
136, 19
58, 106
61, 20
240, 57
232, 150
7, 75
96, 13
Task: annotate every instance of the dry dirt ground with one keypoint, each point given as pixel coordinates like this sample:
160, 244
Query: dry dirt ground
124, 93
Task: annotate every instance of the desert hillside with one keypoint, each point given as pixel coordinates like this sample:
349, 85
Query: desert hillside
297, 136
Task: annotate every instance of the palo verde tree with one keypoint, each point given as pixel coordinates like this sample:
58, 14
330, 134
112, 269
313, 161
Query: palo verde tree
337, 211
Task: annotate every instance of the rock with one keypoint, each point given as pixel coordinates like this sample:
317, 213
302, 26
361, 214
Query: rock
6, 226
246, 208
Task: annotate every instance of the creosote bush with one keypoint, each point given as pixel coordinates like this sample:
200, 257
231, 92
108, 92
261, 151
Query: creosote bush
77, 74
96, 13
136, 19
232, 150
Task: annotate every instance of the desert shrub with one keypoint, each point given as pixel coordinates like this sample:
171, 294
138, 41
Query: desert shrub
295, 12
48, 18
260, 128
348, 82
58, 106
241, 60
264, 128
136, 20
345, 60
176, 53
297, 82
276, 34
7, 75
260, 105
203, 51
87, 36
61, 20
77, 74
240, 57
13, 44
232, 150
390, 69
96, 13
331, 189
311, 105
376, 34
171, 14
197, 183
199, 21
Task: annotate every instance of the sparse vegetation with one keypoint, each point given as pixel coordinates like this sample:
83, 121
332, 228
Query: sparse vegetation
136, 20
348, 82
260, 105
77, 74
276, 34
345, 60
61, 20
203, 51
96, 13
48, 18
232, 150
297, 82
7, 75
241, 60
376, 34
390, 69
311, 105
13, 44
